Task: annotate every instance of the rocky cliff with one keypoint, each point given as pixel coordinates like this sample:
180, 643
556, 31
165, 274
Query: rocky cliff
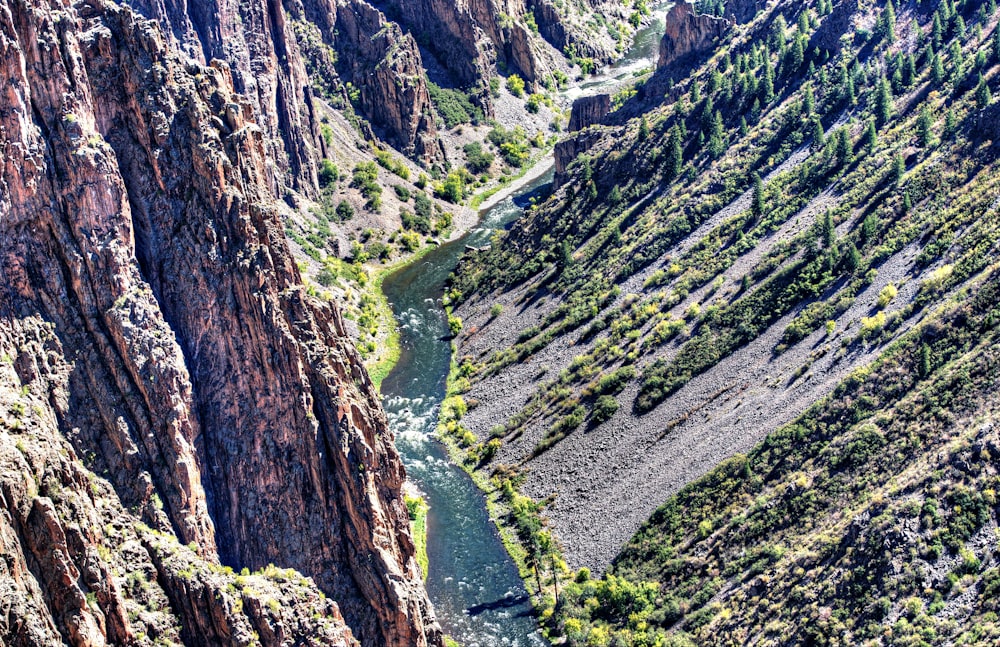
167, 380
687, 35
385, 65
590, 110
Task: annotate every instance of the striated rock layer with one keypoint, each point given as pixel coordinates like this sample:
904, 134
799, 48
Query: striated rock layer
162, 363
687, 36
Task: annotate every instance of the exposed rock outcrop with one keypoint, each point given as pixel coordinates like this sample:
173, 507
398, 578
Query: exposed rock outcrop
687, 36
743, 11
255, 39
568, 149
834, 26
151, 305
588, 111
384, 64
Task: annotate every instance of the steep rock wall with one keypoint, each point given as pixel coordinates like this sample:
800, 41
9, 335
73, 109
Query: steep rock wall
687, 35
183, 361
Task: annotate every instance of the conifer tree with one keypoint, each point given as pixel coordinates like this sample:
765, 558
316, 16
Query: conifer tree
643, 129
883, 102
885, 28
716, 136
818, 137
925, 123
983, 95
869, 138
675, 154
767, 84
757, 199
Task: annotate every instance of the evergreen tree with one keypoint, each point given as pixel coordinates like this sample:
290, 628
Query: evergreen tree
925, 122
828, 231
869, 228
819, 139
757, 199
716, 137
885, 28
950, 123
767, 84
869, 138
937, 31
898, 168
695, 92
983, 96
643, 129
675, 154
937, 70
909, 70
925, 360
852, 258
883, 102
842, 145
808, 100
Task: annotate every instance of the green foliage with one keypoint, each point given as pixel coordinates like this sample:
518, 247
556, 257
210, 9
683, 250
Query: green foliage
328, 173
515, 85
604, 407
477, 160
365, 179
454, 106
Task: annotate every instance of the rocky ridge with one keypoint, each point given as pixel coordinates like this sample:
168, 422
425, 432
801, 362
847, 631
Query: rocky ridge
147, 290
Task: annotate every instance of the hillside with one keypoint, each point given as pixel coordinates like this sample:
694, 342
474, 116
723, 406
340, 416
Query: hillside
740, 358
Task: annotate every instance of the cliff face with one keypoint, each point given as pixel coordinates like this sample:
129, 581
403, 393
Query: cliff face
154, 327
254, 38
385, 66
686, 36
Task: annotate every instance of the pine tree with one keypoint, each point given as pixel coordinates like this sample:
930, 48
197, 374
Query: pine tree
983, 96
885, 28
695, 92
675, 154
925, 122
716, 137
808, 100
937, 31
869, 138
852, 258
869, 228
818, 137
767, 85
883, 102
842, 145
950, 123
937, 70
925, 360
909, 70
757, 199
643, 129
898, 168
827, 230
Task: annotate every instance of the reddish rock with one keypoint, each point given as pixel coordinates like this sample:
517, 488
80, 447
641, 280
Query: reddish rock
156, 317
687, 36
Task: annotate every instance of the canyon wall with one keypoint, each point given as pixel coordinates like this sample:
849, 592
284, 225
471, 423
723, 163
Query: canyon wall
169, 385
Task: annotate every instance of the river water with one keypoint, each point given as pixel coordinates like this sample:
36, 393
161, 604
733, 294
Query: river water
476, 590
477, 593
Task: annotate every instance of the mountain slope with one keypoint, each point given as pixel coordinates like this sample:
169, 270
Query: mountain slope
167, 379
807, 192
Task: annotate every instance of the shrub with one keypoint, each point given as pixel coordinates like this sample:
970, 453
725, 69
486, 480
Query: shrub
604, 408
454, 106
328, 173
516, 85
477, 160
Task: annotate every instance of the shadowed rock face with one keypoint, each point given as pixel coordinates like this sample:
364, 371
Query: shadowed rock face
589, 110
174, 370
686, 37
384, 64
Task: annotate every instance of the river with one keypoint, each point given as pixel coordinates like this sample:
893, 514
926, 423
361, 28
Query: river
477, 593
